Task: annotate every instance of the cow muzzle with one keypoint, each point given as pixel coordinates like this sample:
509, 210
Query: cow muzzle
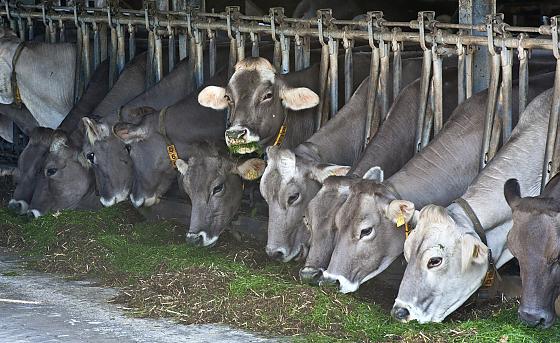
401, 314
311, 275
18, 206
241, 140
201, 239
342, 283
536, 317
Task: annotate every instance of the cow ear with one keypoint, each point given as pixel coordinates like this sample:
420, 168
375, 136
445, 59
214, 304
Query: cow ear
251, 169
512, 192
213, 97
473, 251
95, 131
374, 174
130, 133
396, 207
182, 166
299, 98
322, 171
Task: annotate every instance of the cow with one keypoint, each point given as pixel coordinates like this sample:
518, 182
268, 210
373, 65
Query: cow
452, 249
213, 180
292, 179
31, 159
44, 77
266, 108
534, 240
366, 240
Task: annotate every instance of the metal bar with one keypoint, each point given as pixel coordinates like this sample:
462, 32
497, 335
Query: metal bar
96, 46
323, 81
298, 53
31, 28
384, 70
86, 52
212, 53
104, 42
171, 47
372, 123
254, 44
490, 110
469, 60
232, 56
52, 31
523, 78
306, 52
158, 54
397, 67
113, 70
333, 76
150, 55
240, 40
461, 85
429, 117
21, 29
507, 98
131, 42
285, 48
348, 69
121, 51
199, 68
437, 92
423, 97
62, 32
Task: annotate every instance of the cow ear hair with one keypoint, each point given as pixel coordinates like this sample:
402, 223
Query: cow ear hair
374, 174
322, 171
130, 133
300, 98
251, 169
213, 97
473, 251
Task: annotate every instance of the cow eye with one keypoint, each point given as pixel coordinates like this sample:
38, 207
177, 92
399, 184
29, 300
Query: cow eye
218, 189
127, 147
267, 96
293, 198
51, 171
366, 232
434, 262
91, 157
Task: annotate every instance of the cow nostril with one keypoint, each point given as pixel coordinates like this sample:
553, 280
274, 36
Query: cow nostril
14, 206
400, 313
30, 215
194, 238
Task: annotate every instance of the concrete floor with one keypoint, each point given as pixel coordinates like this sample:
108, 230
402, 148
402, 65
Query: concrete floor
36, 307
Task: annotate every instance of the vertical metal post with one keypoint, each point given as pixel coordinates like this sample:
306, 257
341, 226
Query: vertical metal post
232, 41
469, 73
523, 75
372, 124
150, 53
158, 55
275, 12
306, 52
113, 73
86, 52
333, 76
437, 90
285, 47
348, 68
79, 84
121, 51
212, 52
461, 86
30, 28
199, 68
131, 42
254, 44
425, 78
62, 31
96, 45
52, 31
507, 99
383, 90
397, 65
240, 39
490, 110
104, 42
550, 164
322, 111
298, 53
21, 29
473, 12
182, 6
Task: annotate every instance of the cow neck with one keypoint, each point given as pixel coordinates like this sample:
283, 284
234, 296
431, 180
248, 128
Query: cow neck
13, 78
169, 146
492, 271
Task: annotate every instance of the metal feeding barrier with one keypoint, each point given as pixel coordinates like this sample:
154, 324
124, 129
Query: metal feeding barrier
190, 33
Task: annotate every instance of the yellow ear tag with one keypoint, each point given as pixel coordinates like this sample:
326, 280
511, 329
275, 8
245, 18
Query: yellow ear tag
173, 156
252, 175
400, 219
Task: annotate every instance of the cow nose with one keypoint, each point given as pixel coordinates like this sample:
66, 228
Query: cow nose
534, 317
15, 206
236, 134
275, 254
194, 238
30, 215
310, 275
400, 313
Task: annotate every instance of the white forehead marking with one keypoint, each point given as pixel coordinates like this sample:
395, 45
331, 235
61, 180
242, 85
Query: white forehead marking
266, 71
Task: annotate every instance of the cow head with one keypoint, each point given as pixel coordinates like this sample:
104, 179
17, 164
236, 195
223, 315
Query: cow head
288, 184
367, 237
152, 170
258, 100
320, 221
65, 178
109, 158
30, 164
213, 182
534, 240
446, 265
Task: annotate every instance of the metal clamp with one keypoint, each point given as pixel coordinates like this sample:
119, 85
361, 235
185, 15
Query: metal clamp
521, 52
324, 17
373, 19
425, 19
554, 31
493, 22
232, 13
395, 45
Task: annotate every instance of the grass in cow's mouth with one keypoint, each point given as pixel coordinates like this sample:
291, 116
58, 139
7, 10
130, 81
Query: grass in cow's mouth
247, 148
233, 283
